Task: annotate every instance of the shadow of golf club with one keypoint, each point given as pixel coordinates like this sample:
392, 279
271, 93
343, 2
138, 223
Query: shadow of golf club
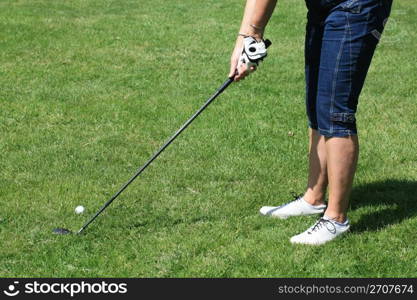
398, 199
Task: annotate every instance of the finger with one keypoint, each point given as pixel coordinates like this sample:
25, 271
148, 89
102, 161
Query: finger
233, 68
241, 74
232, 71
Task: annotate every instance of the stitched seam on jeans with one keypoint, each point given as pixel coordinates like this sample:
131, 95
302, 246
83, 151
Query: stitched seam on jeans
336, 71
340, 132
336, 130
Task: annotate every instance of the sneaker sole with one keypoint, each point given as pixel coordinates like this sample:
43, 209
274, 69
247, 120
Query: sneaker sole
323, 243
283, 217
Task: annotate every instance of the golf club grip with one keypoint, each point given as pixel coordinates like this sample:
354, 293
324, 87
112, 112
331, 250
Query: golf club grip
141, 169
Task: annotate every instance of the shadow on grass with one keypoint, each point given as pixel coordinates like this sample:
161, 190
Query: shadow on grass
390, 202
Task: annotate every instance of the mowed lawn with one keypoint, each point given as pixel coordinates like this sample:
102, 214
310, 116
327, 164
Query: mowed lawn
90, 89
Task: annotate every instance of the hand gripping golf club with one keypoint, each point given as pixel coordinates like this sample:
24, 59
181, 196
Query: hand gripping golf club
141, 169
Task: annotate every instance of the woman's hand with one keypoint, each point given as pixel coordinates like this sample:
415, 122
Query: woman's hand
239, 70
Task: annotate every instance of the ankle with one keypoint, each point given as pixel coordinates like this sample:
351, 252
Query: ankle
340, 218
313, 200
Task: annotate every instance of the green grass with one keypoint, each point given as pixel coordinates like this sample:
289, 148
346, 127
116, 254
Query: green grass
90, 89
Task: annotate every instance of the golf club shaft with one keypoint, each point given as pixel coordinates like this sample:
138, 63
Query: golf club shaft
141, 169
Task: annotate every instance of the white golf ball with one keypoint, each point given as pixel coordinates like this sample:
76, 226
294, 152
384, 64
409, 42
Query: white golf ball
79, 209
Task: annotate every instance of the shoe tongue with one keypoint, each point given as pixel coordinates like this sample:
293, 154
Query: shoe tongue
326, 218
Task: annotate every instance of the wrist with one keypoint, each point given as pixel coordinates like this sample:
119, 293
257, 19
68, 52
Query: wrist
254, 31
241, 36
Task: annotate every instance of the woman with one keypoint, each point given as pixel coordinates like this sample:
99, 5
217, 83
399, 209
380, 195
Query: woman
341, 37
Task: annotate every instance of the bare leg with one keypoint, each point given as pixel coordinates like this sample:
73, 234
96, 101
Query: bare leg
317, 176
342, 157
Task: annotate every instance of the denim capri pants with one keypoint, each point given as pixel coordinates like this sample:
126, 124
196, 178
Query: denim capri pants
341, 37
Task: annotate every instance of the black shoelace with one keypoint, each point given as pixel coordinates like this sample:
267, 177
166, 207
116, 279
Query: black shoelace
323, 223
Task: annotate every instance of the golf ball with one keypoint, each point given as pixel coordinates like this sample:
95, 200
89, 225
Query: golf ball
79, 209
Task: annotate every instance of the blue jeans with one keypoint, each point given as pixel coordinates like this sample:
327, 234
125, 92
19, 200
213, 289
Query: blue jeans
341, 38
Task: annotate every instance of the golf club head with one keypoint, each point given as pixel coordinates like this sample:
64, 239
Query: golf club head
61, 231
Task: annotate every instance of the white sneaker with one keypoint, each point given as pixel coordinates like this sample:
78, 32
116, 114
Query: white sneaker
298, 207
322, 232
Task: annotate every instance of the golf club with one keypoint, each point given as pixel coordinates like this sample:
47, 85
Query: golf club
63, 231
